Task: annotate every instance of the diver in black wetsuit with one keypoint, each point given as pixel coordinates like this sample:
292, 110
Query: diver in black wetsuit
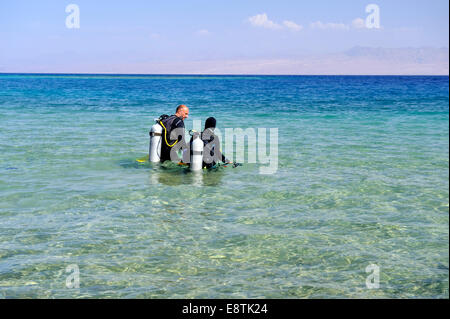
211, 148
173, 123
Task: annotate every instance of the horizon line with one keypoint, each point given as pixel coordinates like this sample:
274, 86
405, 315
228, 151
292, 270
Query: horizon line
208, 74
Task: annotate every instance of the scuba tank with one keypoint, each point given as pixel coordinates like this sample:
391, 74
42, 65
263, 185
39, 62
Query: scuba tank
196, 152
154, 151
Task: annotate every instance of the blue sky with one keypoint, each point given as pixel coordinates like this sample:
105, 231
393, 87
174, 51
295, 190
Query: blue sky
34, 35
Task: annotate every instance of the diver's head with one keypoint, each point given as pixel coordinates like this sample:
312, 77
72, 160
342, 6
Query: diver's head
182, 111
210, 123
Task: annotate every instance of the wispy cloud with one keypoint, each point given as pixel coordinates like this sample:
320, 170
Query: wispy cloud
203, 32
292, 25
330, 25
358, 23
261, 20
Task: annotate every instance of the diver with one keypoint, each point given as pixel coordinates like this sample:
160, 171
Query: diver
211, 145
174, 124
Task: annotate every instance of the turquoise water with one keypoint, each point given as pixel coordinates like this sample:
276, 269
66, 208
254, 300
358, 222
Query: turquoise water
362, 179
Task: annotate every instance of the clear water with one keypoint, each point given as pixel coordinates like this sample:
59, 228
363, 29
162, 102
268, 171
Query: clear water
364, 180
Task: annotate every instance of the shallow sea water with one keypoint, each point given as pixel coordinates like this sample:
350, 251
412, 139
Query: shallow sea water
362, 179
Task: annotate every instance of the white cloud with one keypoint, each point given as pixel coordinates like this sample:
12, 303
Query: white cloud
203, 32
292, 25
358, 23
261, 20
329, 25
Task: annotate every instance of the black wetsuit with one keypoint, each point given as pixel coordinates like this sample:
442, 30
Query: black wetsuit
211, 149
175, 123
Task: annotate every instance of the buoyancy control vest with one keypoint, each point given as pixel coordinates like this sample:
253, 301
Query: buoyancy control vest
167, 123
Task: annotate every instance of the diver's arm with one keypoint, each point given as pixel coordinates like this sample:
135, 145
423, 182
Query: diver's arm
225, 160
177, 134
179, 124
220, 155
185, 156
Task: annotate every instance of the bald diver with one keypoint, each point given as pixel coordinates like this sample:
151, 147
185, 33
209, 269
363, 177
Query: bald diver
175, 124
